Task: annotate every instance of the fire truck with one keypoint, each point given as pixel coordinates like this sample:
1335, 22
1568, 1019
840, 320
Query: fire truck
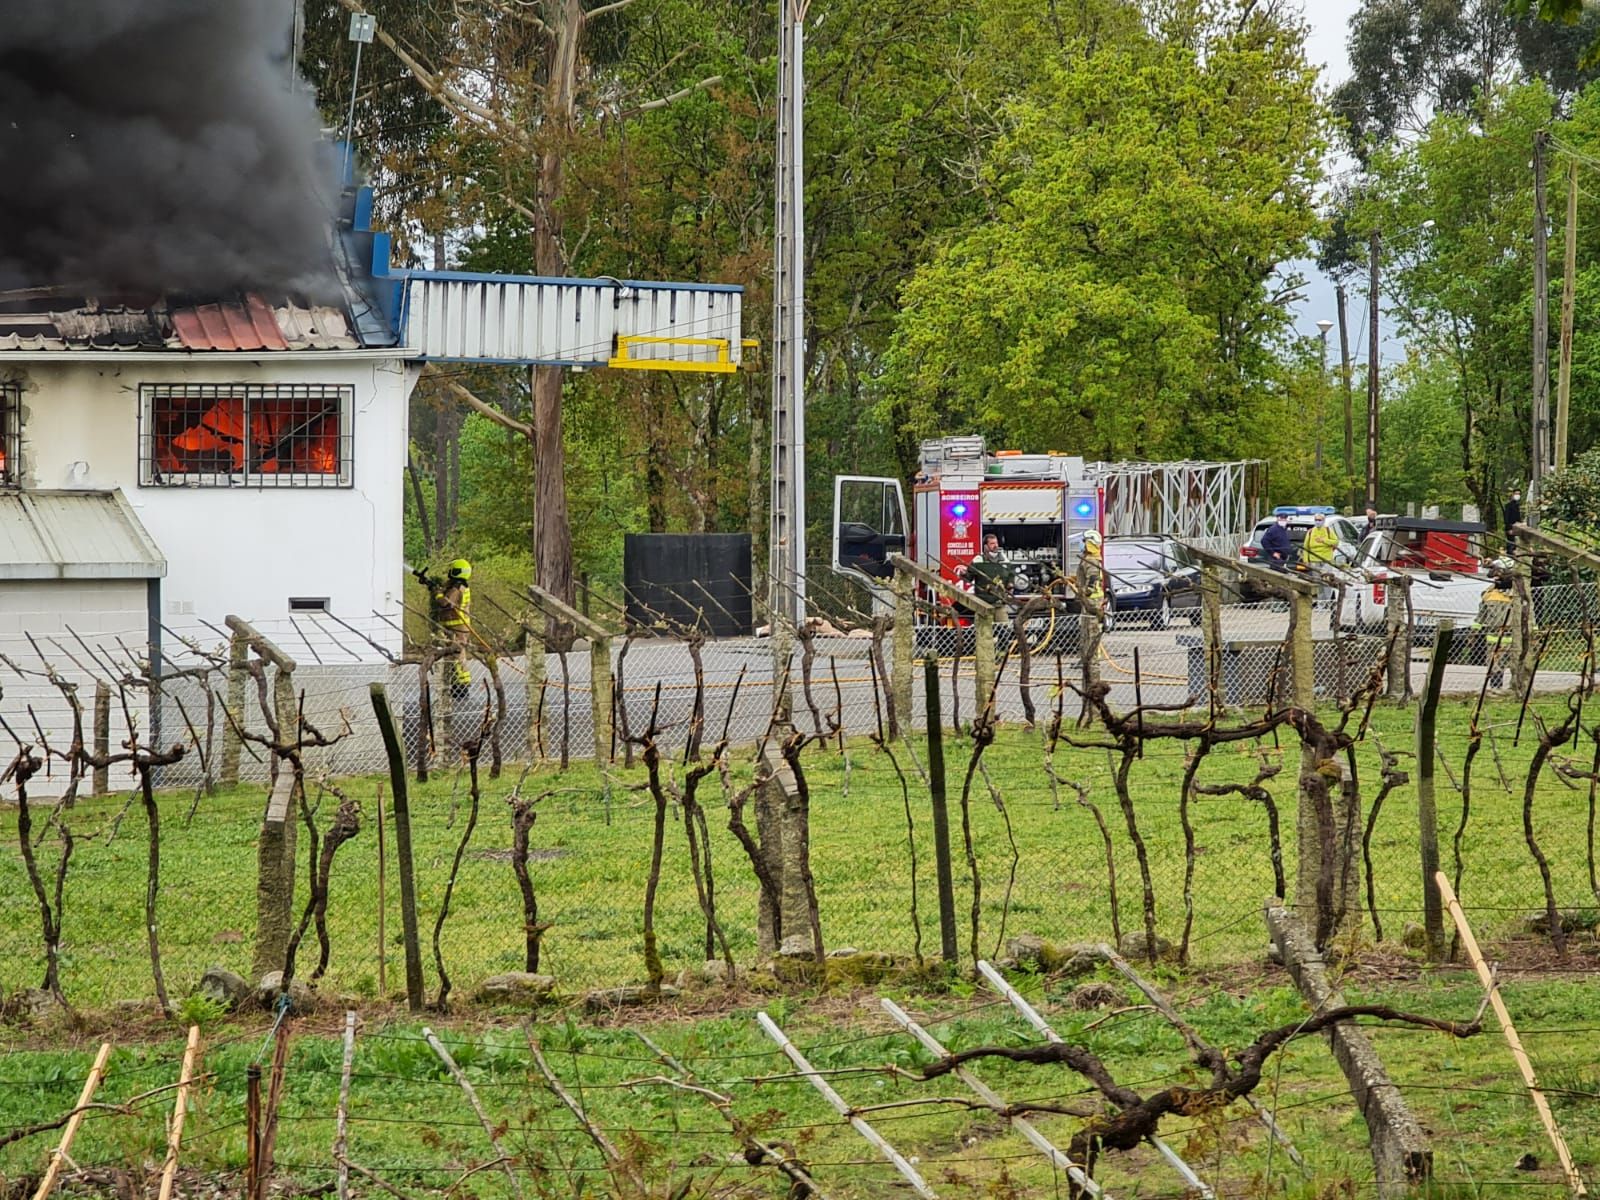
1040, 506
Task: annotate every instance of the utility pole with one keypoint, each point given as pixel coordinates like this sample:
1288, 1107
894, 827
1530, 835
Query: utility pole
1349, 401
1375, 246
1568, 284
1541, 328
1322, 387
786, 557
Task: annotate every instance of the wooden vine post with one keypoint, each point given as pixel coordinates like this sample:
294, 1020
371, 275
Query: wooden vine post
1524, 1064
169, 1170
59, 1155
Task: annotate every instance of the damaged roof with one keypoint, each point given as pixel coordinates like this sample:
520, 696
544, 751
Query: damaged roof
43, 320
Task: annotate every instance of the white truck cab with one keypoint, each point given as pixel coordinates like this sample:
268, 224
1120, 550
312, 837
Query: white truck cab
1442, 559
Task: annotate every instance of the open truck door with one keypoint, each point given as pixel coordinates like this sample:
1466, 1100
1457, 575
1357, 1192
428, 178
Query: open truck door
869, 524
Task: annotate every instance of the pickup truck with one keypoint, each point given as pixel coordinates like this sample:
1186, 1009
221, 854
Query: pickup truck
1443, 560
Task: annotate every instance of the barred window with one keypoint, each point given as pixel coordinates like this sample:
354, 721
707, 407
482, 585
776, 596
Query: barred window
229, 435
10, 434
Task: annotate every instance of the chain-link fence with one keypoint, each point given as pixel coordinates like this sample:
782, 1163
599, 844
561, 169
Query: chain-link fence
1045, 839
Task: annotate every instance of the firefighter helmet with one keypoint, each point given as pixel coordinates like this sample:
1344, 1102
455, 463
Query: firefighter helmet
461, 569
1092, 538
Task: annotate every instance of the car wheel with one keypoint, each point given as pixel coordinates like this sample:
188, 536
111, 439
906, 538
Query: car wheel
1109, 621
1161, 615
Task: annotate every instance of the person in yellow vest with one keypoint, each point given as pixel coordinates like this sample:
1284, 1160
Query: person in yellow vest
451, 609
1322, 542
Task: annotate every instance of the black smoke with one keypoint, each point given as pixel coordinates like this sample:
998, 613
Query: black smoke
155, 146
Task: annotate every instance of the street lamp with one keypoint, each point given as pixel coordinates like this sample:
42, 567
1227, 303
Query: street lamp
1322, 387
1374, 245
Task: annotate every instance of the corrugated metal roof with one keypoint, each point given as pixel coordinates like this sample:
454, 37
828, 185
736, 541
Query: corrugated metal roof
74, 535
244, 324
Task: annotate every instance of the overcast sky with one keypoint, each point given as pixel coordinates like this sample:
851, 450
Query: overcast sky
1330, 21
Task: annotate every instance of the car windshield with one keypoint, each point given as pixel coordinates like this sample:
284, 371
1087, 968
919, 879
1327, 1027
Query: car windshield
1149, 556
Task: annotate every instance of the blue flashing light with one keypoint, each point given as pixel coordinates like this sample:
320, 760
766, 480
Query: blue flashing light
1083, 508
1304, 510
958, 509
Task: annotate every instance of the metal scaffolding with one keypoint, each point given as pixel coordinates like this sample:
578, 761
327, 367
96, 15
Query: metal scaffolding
1196, 501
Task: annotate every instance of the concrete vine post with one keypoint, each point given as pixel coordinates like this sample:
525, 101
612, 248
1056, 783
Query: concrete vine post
1523, 643
101, 783
275, 850
1397, 628
238, 655
554, 610
903, 649
983, 668
533, 679
1211, 634
600, 697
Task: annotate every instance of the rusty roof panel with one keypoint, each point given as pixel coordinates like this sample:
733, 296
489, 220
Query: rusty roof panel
246, 324
229, 326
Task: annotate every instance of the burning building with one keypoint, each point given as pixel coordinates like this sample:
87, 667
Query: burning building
202, 403
205, 358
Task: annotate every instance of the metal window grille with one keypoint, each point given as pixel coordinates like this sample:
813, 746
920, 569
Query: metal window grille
245, 435
10, 435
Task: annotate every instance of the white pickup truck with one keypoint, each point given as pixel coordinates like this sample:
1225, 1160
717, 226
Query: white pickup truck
1443, 560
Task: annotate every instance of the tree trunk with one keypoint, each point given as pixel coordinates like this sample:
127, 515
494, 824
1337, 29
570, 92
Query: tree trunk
554, 532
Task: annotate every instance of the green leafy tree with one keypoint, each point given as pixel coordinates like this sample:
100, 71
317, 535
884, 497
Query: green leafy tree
1117, 297
1572, 495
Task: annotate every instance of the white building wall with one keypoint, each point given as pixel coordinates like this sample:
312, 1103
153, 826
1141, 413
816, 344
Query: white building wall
242, 550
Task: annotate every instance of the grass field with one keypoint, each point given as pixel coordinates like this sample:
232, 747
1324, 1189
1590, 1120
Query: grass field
592, 842
412, 1126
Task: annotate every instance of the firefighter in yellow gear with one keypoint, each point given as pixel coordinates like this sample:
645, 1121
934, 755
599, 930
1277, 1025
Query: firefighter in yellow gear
451, 610
1091, 569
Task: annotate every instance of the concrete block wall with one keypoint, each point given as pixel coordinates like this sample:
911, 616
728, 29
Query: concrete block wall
107, 615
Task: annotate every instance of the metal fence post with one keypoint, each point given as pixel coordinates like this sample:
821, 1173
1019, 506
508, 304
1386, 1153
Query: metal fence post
402, 843
1427, 813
